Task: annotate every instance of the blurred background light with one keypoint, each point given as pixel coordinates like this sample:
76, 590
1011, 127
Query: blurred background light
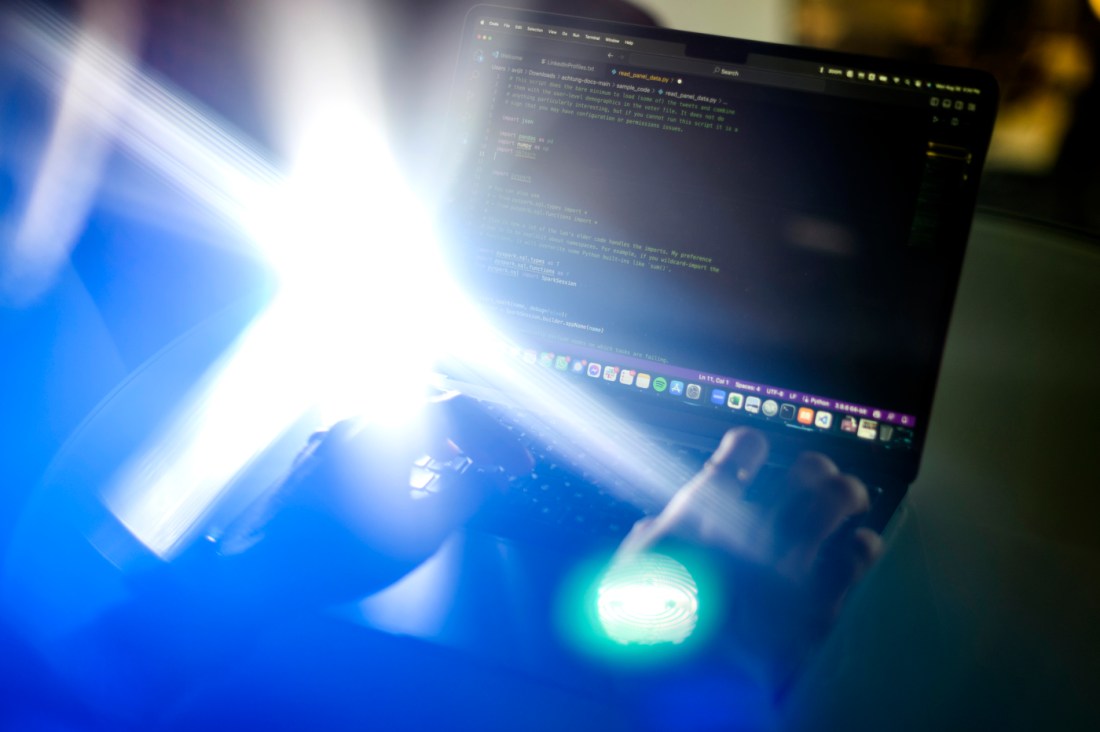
646, 599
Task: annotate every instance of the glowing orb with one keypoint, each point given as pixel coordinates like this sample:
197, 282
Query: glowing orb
646, 600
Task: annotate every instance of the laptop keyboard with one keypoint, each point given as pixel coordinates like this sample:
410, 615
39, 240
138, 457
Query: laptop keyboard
561, 500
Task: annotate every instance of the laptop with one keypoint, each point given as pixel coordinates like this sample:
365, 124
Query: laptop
676, 234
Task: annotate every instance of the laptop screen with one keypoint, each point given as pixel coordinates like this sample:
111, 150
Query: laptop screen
718, 229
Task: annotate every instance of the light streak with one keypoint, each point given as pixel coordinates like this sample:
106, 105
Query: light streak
363, 305
68, 176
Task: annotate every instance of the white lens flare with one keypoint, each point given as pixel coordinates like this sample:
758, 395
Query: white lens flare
351, 329
361, 313
364, 305
358, 268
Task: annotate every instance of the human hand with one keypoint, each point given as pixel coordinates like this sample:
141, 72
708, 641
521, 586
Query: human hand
790, 549
346, 521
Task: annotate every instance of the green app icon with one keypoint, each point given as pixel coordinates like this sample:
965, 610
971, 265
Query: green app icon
660, 384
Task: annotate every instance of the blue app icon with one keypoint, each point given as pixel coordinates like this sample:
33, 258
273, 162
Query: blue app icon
676, 388
718, 396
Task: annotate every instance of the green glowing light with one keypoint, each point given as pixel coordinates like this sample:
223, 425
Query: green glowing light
647, 599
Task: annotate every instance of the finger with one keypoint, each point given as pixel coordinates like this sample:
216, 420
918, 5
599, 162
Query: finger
811, 515
841, 564
801, 479
724, 517
642, 537
809, 470
791, 502
711, 493
708, 503
739, 456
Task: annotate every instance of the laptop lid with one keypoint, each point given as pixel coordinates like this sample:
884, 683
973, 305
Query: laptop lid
710, 232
